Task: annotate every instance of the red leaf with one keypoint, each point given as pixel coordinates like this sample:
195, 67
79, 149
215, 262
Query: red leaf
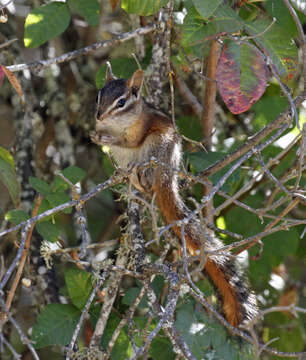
242, 76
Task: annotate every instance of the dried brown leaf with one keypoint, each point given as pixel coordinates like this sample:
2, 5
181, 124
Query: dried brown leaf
14, 82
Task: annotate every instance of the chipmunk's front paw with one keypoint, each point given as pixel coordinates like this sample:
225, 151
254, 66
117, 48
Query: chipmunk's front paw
94, 137
101, 139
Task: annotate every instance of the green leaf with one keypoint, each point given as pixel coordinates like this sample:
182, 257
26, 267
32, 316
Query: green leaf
287, 332
45, 23
39, 185
130, 296
74, 174
280, 12
201, 160
16, 216
141, 7
206, 287
59, 184
277, 44
88, 9
44, 206
207, 338
55, 325
8, 175
193, 330
122, 68
196, 28
268, 108
190, 126
161, 349
59, 198
48, 230
277, 247
7, 156
79, 284
122, 348
206, 8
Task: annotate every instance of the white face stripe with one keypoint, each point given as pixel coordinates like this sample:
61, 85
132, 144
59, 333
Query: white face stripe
99, 98
111, 107
114, 103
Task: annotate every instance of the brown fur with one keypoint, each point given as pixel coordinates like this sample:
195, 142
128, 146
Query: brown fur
135, 134
171, 212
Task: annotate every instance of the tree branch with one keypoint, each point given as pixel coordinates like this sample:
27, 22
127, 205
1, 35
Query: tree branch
118, 39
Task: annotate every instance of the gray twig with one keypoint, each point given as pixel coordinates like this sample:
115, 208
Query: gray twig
16, 356
301, 35
25, 340
84, 312
113, 180
254, 140
118, 39
10, 270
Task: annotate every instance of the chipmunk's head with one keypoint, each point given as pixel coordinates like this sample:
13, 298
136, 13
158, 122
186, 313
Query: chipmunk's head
118, 106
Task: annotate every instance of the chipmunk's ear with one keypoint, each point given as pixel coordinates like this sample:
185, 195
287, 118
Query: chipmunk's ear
135, 83
109, 73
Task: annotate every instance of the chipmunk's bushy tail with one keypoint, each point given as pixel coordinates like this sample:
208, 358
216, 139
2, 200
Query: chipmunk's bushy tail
225, 273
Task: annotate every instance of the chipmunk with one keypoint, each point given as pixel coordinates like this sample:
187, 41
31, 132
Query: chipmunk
135, 132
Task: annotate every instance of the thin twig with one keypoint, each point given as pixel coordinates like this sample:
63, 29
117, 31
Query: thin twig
188, 95
84, 312
111, 293
251, 142
124, 321
260, 34
25, 340
8, 43
24, 255
16, 356
113, 180
273, 223
199, 297
301, 35
24, 234
271, 176
301, 157
118, 39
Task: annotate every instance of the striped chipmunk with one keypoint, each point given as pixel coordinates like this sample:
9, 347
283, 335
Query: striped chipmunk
135, 132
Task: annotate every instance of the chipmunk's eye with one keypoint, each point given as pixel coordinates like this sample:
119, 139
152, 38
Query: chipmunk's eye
121, 102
